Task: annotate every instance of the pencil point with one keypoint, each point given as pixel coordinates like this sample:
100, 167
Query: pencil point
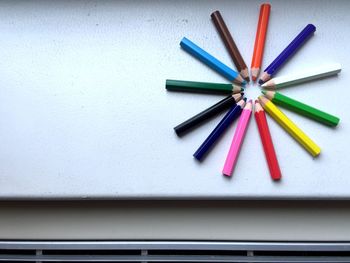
264, 77
263, 92
269, 84
245, 74
255, 73
240, 80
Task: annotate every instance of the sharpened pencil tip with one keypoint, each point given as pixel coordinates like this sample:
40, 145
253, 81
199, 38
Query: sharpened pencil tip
261, 82
247, 79
263, 92
245, 99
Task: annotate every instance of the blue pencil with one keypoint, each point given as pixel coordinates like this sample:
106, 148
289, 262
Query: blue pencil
287, 52
211, 61
230, 116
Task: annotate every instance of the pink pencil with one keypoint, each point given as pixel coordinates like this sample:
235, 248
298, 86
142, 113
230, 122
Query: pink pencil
237, 139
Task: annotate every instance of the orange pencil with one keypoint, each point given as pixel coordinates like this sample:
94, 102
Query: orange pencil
260, 40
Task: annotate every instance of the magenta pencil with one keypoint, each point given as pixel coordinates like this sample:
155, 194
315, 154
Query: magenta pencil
237, 140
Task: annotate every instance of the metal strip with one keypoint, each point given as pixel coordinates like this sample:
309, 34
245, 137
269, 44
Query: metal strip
174, 259
176, 245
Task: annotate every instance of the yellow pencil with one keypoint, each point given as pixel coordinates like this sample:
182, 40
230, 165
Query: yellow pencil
290, 127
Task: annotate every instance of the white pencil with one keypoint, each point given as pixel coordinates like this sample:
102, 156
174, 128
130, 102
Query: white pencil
315, 73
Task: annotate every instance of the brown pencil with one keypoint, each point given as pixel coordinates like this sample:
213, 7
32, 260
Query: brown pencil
230, 44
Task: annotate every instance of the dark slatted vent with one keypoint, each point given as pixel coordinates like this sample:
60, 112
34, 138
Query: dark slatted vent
166, 251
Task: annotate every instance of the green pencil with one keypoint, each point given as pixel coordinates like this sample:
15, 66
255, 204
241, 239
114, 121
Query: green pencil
301, 108
202, 87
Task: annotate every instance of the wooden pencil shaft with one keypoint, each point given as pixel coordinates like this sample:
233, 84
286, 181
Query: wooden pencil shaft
211, 61
228, 40
205, 115
237, 140
304, 109
261, 36
308, 75
290, 127
290, 50
268, 147
297, 42
215, 135
201, 87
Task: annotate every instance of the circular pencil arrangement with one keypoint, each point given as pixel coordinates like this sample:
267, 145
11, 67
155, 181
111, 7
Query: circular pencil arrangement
239, 107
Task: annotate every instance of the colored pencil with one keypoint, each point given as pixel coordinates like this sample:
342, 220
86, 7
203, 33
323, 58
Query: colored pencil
260, 40
202, 87
205, 115
287, 53
293, 79
214, 136
211, 61
266, 141
237, 140
301, 108
289, 126
230, 44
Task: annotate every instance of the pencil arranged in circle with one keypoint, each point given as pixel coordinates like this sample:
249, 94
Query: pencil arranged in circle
214, 136
260, 40
211, 61
290, 126
202, 87
304, 76
287, 53
207, 114
301, 108
237, 140
266, 141
230, 44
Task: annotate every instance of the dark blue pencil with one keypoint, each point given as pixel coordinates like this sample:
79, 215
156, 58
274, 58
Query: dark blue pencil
287, 52
230, 116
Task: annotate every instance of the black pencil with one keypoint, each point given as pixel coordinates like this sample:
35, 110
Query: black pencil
205, 115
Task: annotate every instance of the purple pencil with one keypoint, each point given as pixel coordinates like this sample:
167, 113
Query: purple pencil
287, 52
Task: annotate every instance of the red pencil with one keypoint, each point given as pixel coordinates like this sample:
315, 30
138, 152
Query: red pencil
266, 140
260, 40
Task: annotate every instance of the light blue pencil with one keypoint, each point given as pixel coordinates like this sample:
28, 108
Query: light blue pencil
211, 61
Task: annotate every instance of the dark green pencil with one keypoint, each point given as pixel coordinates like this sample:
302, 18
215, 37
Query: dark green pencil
202, 87
301, 108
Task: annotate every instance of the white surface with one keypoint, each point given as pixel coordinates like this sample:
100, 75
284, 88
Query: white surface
84, 112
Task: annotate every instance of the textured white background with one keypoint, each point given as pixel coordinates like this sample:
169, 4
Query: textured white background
84, 112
